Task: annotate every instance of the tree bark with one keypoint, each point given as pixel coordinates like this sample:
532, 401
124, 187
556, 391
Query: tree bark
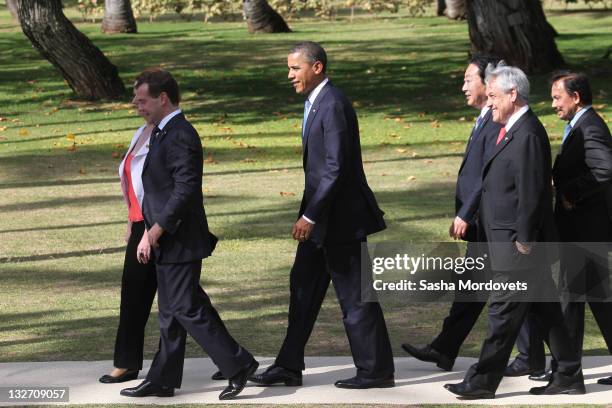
515, 30
441, 7
12, 6
263, 18
455, 9
118, 17
84, 67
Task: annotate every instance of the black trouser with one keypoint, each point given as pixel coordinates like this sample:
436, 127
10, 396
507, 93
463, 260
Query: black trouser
363, 321
461, 318
138, 286
185, 308
462, 315
530, 344
505, 320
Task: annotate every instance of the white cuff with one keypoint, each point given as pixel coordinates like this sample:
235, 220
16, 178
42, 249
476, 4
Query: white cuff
308, 220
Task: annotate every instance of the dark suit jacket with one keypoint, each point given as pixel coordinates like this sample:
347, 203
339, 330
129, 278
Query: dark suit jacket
336, 194
172, 181
469, 180
516, 203
583, 174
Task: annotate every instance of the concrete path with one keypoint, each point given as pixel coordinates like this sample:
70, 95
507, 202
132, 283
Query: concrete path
417, 383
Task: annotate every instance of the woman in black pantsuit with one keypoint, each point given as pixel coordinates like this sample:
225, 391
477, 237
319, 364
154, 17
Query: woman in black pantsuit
139, 283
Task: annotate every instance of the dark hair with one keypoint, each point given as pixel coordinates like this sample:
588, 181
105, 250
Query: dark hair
482, 61
574, 82
159, 81
312, 51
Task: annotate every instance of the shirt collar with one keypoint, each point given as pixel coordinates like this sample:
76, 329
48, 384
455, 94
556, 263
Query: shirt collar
315, 92
578, 115
516, 116
167, 118
484, 111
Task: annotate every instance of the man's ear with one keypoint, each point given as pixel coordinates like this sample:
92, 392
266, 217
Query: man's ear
513, 95
576, 98
317, 67
163, 97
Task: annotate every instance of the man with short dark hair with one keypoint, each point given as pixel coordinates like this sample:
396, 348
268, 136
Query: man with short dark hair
337, 213
582, 174
443, 350
178, 233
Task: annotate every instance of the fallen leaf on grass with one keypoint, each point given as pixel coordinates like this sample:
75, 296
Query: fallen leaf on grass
286, 194
3, 128
115, 155
70, 137
400, 150
411, 178
24, 132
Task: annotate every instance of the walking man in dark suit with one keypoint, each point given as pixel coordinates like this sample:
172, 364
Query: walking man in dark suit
515, 215
337, 213
178, 232
462, 316
582, 175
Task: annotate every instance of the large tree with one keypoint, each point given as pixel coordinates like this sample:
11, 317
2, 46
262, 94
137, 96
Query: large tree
516, 30
86, 70
118, 17
263, 18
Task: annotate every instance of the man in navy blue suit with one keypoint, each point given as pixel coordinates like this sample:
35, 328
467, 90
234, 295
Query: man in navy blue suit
337, 213
443, 350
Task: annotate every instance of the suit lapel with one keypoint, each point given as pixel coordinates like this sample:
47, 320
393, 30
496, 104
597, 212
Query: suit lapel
313, 113
571, 133
509, 136
475, 134
171, 123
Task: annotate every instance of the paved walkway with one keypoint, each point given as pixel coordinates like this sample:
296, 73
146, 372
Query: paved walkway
417, 383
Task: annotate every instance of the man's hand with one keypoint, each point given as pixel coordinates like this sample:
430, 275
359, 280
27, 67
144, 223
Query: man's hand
155, 234
523, 248
301, 230
458, 228
143, 252
566, 204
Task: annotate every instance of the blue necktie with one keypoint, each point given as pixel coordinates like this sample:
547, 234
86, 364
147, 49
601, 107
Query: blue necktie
566, 132
307, 106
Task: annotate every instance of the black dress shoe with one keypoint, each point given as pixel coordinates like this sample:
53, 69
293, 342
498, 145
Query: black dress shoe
466, 391
562, 385
429, 354
276, 374
128, 375
236, 383
146, 389
541, 376
360, 383
605, 381
218, 376
517, 369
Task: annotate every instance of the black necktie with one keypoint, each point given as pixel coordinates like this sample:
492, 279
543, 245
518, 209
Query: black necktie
154, 136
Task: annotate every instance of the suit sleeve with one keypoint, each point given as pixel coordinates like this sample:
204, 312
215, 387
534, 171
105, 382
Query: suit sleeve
598, 159
469, 207
184, 162
532, 180
335, 135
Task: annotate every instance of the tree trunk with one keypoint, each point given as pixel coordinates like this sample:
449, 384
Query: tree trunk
12, 6
516, 30
455, 9
88, 72
263, 18
441, 7
118, 17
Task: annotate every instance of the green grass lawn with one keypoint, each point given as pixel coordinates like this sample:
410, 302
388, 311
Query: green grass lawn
62, 216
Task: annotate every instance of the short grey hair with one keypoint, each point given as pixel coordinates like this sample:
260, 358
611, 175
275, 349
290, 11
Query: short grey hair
312, 51
509, 78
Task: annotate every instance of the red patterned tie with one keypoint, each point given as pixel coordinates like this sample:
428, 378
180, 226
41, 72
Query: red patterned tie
502, 133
